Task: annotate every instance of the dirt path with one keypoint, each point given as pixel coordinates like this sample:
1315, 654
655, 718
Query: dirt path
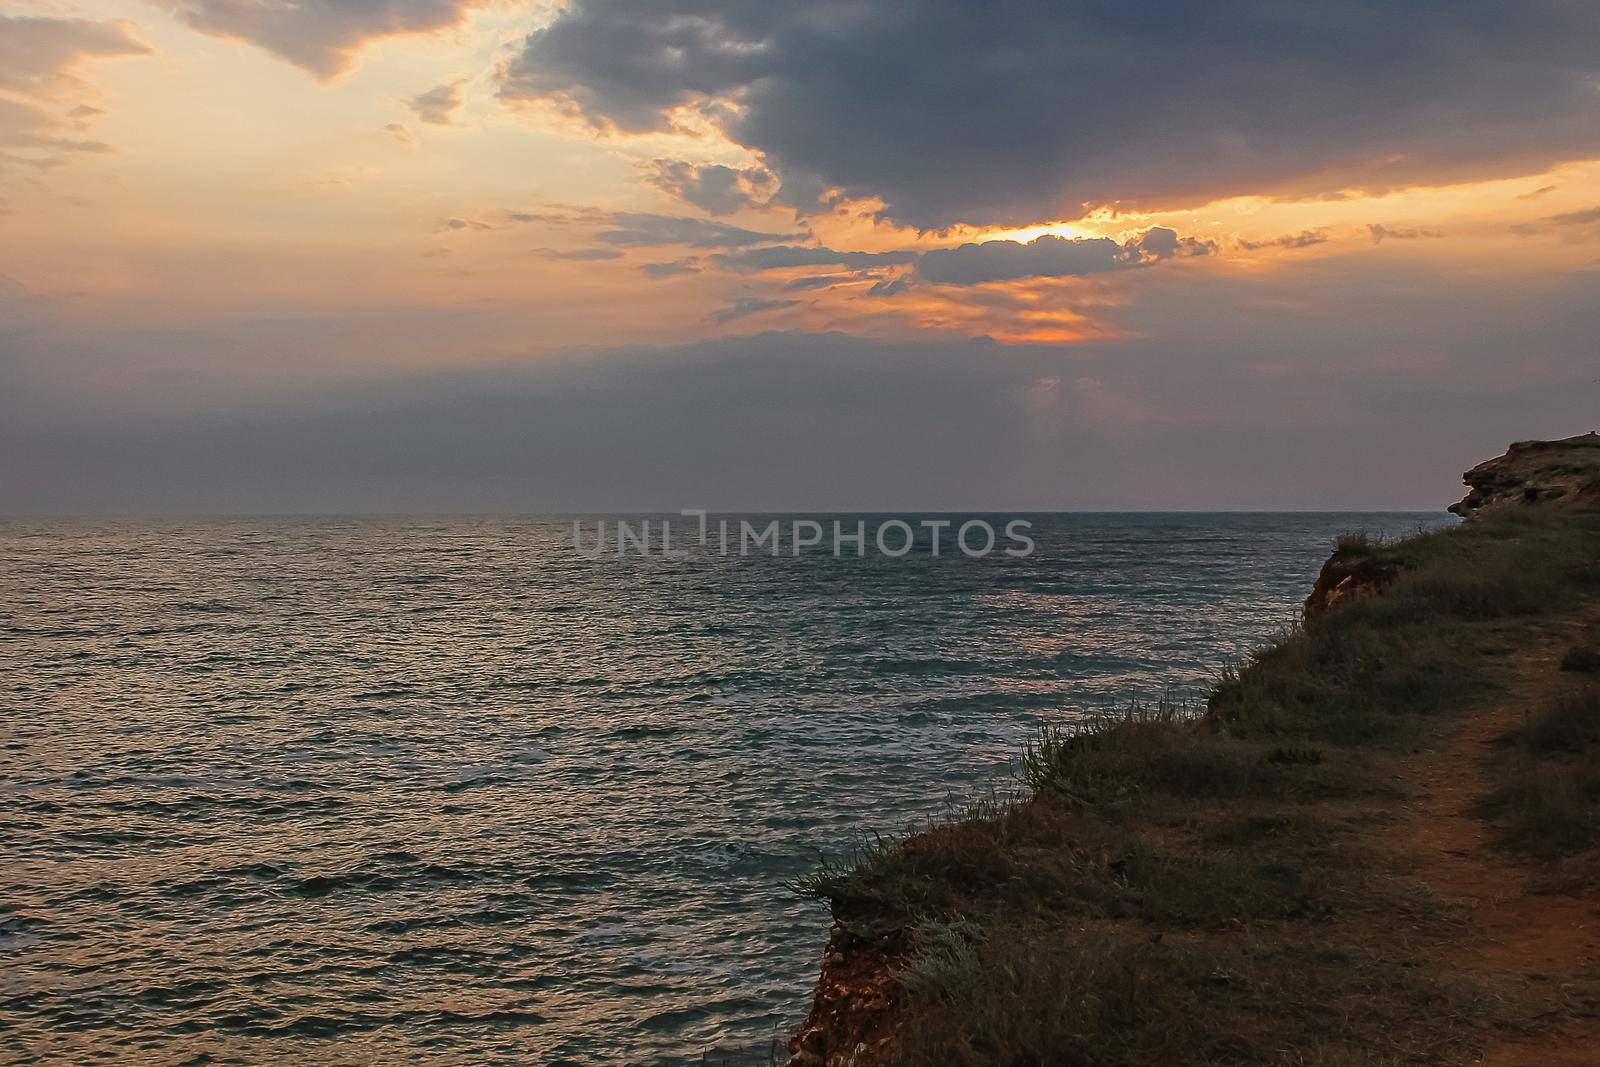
1536, 940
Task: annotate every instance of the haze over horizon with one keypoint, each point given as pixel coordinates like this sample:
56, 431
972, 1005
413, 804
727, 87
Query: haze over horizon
522, 256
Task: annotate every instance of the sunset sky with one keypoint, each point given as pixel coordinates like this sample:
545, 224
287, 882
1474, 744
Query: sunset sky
430, 255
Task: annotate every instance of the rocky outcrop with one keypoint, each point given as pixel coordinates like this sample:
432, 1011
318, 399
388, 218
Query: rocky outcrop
1345, 577
1535, 472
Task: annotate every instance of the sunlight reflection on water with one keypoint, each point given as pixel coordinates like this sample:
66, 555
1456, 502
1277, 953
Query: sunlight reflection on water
442, 790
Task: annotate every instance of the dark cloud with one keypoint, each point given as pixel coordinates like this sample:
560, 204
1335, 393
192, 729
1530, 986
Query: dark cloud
746, 306
465, 224
1303, 239
1355, 381
890, 286
586, 255
647, 231
782, 257
970, 264
826, 281
1051, 257
796, 420
714, 188
437, 105
674, 269
320, 35
1381, 233
551, 217
1233, 392
1537, 193
1015, 111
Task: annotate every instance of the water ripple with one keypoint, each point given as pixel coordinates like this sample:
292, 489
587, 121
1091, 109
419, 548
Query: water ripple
441, 791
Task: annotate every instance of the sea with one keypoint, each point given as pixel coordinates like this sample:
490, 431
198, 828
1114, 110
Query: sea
446, 790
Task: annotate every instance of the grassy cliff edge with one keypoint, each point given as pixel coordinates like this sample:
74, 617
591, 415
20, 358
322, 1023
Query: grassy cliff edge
1375, 843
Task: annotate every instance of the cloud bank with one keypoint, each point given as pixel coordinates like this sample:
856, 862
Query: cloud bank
1231, 392
1014, 111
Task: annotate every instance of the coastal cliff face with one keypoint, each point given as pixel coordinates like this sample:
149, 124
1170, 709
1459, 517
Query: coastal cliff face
1535, 472
1090, 918
852, 1016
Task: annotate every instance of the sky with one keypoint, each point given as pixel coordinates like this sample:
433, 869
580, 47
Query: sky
529, 256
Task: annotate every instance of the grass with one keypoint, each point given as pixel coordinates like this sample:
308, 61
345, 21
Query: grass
1106, 999
1201, 884
1548, 801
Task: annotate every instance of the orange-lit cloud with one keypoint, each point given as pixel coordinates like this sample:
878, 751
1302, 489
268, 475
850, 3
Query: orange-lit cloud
40, 55
45, 103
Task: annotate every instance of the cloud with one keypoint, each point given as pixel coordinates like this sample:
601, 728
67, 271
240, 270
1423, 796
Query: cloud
27, 126
746, 306
555, 218
970, 264
465, 224
646, 230
714, 188
782, 257
826, 281
39, 58
1575, 218
1576, 225
38, 55
890, 286
1303, 239
1381, 233
586, 255
1050, 256
1017, 111
821, 420
400, 133
437, 105
1354, 382
322, 36
674, 269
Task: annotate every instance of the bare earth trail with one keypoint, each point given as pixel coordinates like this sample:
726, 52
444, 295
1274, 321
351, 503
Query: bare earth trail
1541, 942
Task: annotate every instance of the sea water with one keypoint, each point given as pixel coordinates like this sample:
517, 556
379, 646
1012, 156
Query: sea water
446, 791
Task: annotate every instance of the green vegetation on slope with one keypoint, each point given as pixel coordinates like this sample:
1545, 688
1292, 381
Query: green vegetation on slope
1222, 884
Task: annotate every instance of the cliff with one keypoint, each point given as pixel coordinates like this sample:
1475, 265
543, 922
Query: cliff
1378, 842
1535, 472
